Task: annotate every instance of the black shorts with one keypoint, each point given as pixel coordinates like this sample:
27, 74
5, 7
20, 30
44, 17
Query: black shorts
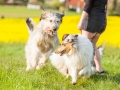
94, 24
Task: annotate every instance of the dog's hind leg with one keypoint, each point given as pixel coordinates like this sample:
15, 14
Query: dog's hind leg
85, 72
30, 24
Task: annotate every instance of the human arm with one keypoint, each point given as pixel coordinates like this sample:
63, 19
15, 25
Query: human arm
83, 16
85, 12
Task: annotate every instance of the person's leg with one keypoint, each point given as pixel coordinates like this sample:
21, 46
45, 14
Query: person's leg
93, 37
88, 34
97, 57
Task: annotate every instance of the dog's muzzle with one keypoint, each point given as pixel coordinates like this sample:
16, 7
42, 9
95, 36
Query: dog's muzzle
51, 32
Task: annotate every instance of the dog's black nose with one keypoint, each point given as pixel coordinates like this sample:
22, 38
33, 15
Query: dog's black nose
54, 29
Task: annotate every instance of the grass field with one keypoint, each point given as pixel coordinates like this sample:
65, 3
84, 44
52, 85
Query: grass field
13, 36
14, 77
22, 11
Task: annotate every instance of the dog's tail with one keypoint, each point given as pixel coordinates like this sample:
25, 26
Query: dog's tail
59, 63
101, 48
30, 24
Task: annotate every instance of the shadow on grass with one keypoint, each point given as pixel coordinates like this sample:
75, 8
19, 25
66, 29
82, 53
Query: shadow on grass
107, 77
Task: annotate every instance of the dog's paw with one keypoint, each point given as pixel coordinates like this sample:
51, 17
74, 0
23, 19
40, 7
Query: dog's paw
73, 83
28, 68
39, 66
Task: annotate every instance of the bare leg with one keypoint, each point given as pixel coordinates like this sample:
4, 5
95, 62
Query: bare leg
97, 60
93, 37
97, 57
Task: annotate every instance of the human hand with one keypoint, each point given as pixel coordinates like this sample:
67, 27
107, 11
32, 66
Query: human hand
79, 26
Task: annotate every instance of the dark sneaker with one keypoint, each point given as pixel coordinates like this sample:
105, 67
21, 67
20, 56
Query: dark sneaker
101, 73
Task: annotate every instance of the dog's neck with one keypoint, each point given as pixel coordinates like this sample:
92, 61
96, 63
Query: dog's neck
46, 41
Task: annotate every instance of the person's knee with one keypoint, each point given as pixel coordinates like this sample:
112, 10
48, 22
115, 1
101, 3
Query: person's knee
95, 39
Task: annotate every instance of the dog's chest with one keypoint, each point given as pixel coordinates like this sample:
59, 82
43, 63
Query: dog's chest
46, 44
73, 62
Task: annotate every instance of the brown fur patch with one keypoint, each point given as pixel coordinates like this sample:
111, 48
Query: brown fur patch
64, 48
64, 36
45, 43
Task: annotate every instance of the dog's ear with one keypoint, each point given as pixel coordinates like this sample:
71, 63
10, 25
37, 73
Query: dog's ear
64, 36
42, 8
62, 14
76, 36
43, 14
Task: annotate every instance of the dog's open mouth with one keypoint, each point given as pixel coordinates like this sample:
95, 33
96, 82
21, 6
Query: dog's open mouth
64, 48
50, 32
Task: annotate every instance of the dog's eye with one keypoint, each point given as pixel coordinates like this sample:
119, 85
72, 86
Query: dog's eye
57, 21
72, 40
67, 40
50, 20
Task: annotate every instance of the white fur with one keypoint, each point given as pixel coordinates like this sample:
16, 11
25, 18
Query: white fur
34, 57
78, 62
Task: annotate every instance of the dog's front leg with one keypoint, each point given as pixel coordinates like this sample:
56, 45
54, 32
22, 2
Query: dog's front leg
42, 61
31, 60
73, 74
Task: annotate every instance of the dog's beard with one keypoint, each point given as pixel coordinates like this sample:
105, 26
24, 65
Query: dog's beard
44, 44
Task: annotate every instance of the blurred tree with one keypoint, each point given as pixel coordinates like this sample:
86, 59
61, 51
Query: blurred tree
56, 4
118, 8
32, 1
41, 1
2, 1
38, 2
114, 7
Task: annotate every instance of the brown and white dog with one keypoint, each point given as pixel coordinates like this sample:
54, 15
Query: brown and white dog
74, 57
43, 39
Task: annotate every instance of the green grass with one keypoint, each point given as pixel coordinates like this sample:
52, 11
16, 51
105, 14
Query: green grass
14, 77
22, 11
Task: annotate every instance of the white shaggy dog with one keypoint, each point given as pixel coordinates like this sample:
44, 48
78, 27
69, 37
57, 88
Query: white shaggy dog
74, 57
43, 39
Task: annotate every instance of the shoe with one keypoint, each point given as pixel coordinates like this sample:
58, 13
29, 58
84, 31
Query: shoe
101, 73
